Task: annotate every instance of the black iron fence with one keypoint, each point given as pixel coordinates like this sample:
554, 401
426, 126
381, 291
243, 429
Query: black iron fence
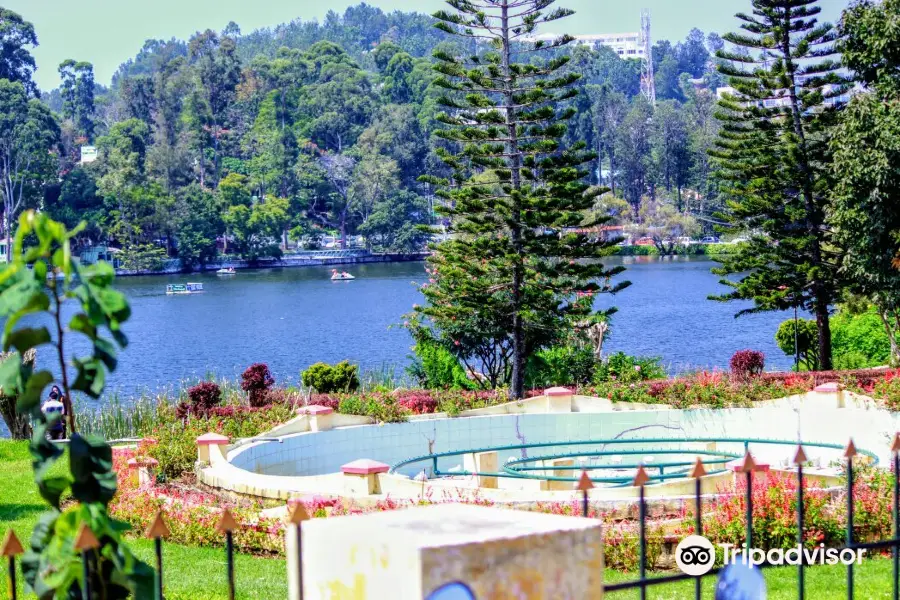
87, 544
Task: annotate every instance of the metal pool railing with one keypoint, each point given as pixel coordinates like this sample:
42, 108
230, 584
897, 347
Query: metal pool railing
657, 472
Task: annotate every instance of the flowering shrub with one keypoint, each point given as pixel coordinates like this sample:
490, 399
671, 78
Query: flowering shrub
326, 379
713, 389
418, 402
176, 435
203, 397
747, 363
256, 381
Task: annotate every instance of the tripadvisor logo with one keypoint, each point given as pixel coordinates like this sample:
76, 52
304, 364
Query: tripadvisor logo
695, 555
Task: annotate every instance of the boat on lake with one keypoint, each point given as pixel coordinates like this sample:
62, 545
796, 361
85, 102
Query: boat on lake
184, 288
343, 276
226, 271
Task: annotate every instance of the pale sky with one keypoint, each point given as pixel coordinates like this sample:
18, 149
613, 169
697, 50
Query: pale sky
108, 32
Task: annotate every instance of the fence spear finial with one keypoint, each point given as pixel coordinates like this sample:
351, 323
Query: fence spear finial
800, 456
86, 539
895, 446
749, 464
11, 545
641, 478
699, 469
584, 483
850, 451
227, 524
298, 514
158, 529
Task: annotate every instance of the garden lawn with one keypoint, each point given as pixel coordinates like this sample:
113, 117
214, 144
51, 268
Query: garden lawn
191, 573
199, 573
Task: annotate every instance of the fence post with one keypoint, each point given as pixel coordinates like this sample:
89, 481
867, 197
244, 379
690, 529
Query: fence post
584, 485
86, 543
640, 480
748, 467
697, 473
799, 459
12, 548
849, 453
156, 532
227, 525
895, 450
294, 549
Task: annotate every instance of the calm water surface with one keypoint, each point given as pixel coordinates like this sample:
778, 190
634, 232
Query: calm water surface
291, 318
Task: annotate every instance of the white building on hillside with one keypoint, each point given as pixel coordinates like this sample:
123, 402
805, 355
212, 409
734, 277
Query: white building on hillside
626, 45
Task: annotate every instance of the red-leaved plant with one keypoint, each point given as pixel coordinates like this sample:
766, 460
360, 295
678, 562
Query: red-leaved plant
747, 363
256, 381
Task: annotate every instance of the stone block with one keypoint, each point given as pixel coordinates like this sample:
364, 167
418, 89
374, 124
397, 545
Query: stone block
408, 554
207, 440
564, 486
361, 477
559, 400
320, 417
483, 462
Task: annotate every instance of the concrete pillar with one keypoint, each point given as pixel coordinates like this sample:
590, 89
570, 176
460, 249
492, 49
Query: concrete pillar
559, 400
208, 440
410, 554
141, 470
483, 462
564, 486
361, 476
320, 417
830, 393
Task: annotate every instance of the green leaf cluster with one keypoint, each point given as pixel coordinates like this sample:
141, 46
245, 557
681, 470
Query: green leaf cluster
34, 287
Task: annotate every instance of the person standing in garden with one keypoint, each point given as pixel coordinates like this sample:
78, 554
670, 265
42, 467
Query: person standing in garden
55, 411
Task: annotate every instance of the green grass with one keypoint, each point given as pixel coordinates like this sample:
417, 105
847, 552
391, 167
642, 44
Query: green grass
199, 573
190, 573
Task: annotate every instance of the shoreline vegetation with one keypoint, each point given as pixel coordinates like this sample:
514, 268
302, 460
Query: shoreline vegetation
325, 258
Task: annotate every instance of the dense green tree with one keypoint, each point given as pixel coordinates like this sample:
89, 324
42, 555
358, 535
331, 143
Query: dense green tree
77, 91
78, 201
866, 211
508, 267
397, 223
671, 147
774, 161
633, 152
257, 230
197, 226
16, 62
29, 134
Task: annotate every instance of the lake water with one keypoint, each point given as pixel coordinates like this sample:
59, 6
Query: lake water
291, 318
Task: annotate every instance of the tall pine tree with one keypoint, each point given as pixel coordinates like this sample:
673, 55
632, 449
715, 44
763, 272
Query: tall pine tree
516, 275
773, 162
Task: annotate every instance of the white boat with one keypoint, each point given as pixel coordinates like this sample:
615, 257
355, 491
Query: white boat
181, 288
343, 276
226, 271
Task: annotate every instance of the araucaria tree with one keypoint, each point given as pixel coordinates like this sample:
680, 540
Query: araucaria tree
773, 160
518, 272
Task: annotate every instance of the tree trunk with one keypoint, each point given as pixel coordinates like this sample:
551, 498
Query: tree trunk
612, 170
824, 326
517, 379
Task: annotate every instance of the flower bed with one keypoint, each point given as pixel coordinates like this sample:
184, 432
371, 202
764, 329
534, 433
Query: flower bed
192, 515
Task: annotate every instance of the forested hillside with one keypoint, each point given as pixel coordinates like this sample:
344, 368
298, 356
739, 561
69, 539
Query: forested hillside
251, 143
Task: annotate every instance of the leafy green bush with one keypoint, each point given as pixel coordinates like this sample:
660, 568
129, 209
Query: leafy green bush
329, 379
859, 340
435, 367
560, 365
624, 368
807, 342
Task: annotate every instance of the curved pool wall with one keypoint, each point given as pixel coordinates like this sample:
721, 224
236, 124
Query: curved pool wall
318, 453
